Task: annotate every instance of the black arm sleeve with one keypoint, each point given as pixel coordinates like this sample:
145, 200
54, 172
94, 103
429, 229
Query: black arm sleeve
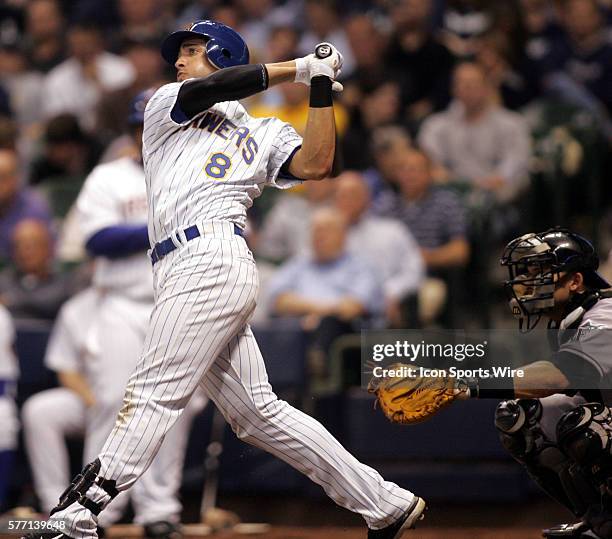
227, 84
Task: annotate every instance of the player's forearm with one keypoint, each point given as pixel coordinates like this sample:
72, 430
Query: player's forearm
76, 382
540, 379
314, 160
281, 72
537, 380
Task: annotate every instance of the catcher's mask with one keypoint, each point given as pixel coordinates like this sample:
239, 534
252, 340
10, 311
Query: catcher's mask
537, 263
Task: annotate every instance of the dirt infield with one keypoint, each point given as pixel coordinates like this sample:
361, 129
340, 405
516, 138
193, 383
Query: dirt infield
196, 532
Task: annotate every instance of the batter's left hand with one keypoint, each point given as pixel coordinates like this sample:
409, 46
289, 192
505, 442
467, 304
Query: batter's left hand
330, 56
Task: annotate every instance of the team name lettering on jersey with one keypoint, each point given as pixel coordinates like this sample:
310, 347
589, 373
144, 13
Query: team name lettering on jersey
227, 130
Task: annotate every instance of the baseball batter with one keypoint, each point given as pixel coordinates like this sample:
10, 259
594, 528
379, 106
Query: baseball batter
205, 161
96, 343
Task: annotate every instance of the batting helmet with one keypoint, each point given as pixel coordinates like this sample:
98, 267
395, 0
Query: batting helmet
224, 46
138, 105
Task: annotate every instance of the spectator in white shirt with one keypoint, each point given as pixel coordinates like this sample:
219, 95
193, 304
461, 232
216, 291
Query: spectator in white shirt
78, 83
385, 243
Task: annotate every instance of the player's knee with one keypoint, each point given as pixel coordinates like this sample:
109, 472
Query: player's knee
516, 422
263, 415
584, 434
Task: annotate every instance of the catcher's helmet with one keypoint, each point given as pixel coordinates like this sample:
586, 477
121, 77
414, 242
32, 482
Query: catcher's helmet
224, 46
138, 105
535, 262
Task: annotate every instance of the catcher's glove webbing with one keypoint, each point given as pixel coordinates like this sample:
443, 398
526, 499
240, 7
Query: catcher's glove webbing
407, 399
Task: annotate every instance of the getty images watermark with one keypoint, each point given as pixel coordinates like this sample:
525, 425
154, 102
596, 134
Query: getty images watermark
401, 351
496, 355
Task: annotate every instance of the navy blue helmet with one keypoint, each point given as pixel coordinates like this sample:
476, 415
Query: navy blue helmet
224, 46
138, 105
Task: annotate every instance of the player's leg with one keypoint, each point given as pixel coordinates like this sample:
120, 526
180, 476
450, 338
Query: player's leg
238, 384
48, 417
527, 430
120, 327
155, 495
205, 300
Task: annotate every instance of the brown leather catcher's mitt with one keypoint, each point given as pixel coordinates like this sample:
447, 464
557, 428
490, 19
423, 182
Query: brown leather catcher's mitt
405, 399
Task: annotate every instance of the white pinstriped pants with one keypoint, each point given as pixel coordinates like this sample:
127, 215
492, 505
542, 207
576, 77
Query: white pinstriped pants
199, 335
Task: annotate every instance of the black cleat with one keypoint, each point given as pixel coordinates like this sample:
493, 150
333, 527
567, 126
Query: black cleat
414, 513
578, 530
162, 530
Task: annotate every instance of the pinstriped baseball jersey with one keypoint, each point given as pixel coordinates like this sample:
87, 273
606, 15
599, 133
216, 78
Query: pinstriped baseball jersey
209, 168
115, 194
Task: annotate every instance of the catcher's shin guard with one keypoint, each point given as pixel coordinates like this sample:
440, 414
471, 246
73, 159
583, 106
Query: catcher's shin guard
519, 431
77, 491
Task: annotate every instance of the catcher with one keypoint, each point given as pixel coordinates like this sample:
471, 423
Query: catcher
562, 431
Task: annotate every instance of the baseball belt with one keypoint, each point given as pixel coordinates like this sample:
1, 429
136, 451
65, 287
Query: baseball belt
166, 246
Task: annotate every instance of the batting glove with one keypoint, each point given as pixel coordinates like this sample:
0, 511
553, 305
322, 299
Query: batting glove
310, 66
329, 54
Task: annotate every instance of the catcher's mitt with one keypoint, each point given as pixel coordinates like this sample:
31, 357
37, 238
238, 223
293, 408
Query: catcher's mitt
406, 399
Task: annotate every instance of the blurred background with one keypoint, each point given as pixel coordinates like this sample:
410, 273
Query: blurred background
463, 124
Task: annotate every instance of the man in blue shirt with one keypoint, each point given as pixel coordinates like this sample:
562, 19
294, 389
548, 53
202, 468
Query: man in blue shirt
329, 290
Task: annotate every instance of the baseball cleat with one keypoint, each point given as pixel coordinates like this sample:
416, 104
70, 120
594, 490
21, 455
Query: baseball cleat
162, 530
577, 530
415, 512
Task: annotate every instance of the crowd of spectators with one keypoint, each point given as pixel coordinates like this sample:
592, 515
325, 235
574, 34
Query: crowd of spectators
462, 123
448, 127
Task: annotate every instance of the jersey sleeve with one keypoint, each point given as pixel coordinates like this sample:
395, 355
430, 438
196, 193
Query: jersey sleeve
591, 344
285, 144
63, 352
97, 204
163, 116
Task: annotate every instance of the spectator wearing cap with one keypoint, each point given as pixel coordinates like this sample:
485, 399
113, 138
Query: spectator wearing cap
463, 23
386, 244
17, 203
77, 84
31, 287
